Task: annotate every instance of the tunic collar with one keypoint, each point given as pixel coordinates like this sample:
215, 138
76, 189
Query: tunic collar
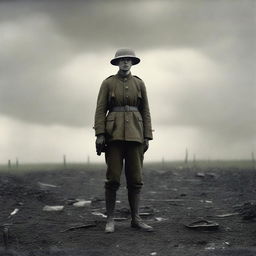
124, 78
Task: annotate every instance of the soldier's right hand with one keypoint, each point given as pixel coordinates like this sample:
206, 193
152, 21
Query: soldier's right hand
100, 143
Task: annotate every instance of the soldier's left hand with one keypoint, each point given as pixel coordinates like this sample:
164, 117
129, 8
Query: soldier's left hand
146, 145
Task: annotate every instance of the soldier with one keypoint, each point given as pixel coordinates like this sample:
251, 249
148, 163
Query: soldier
123, 130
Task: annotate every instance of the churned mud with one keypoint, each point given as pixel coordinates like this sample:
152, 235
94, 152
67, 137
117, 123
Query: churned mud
171, 199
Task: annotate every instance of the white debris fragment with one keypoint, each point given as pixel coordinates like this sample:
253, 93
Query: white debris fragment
45, 185
55, 208
82, 203
99, 214
153, 253
160, 219
210, 246
200, 174
206, 201
14, 212
227, 215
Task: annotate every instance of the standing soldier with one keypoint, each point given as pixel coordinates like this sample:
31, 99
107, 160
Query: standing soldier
123, 130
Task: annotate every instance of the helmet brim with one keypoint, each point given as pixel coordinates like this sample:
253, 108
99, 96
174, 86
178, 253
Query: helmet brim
115, 61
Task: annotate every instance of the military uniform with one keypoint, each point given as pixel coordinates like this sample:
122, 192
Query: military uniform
123, 125
123, 115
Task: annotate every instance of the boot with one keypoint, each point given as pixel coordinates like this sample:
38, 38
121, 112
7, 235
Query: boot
134, 201
110, 197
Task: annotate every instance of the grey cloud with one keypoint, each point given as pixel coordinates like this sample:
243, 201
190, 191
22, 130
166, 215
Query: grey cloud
51, 32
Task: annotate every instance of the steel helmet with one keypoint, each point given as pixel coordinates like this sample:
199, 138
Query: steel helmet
125, 53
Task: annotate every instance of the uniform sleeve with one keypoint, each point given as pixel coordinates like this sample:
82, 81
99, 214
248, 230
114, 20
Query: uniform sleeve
101, 109
145, 113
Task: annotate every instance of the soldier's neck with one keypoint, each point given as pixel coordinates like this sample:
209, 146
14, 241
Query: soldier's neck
123, 73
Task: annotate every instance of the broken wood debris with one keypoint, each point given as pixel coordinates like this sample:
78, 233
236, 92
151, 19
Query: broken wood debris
164, 200
82, 203
203, 224
99, 214
45, 185
54, 208
227, 214
13, 212
160, 219
79, 227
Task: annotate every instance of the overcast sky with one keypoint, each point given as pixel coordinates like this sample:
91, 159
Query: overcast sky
197, 61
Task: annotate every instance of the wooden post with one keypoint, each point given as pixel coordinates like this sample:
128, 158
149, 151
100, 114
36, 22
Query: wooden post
17, 162
194, 160
88, 159
9, 164
64, 161
186, 156
253, 160
163, 163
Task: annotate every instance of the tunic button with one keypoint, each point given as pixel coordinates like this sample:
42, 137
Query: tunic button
127, 96
126, 87
127, 121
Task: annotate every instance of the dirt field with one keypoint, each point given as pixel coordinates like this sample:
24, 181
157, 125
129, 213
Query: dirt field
172, 197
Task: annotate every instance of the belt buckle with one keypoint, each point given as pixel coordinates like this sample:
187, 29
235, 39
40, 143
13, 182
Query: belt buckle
127, 108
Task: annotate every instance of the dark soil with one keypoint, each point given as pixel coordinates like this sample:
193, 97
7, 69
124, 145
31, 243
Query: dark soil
171, 198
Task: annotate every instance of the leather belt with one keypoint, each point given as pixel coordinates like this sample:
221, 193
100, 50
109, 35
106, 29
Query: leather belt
125, 108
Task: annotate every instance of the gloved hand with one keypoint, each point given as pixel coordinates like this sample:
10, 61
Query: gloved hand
100, 144
146, 145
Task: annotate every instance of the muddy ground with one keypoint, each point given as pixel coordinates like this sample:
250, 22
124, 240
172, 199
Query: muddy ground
172, 197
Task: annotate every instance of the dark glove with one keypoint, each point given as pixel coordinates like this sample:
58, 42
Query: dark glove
145, 145
100, 144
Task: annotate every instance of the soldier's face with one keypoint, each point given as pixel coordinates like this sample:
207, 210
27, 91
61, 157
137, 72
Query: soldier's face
125, 64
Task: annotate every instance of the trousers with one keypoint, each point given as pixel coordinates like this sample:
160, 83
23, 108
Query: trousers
127, 153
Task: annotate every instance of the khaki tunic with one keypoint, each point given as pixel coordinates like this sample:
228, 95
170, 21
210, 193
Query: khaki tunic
126, 126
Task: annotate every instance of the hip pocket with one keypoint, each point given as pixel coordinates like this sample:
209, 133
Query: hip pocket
110, 126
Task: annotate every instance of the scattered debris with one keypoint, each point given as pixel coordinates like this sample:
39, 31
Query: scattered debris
210, 246
13, 212
55, 208
82, 203
99, 214
206, 201
79, 227
160, 219
146, 213
153, 253
227, 215
164, 200
200, 175
203, 225
45, 185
